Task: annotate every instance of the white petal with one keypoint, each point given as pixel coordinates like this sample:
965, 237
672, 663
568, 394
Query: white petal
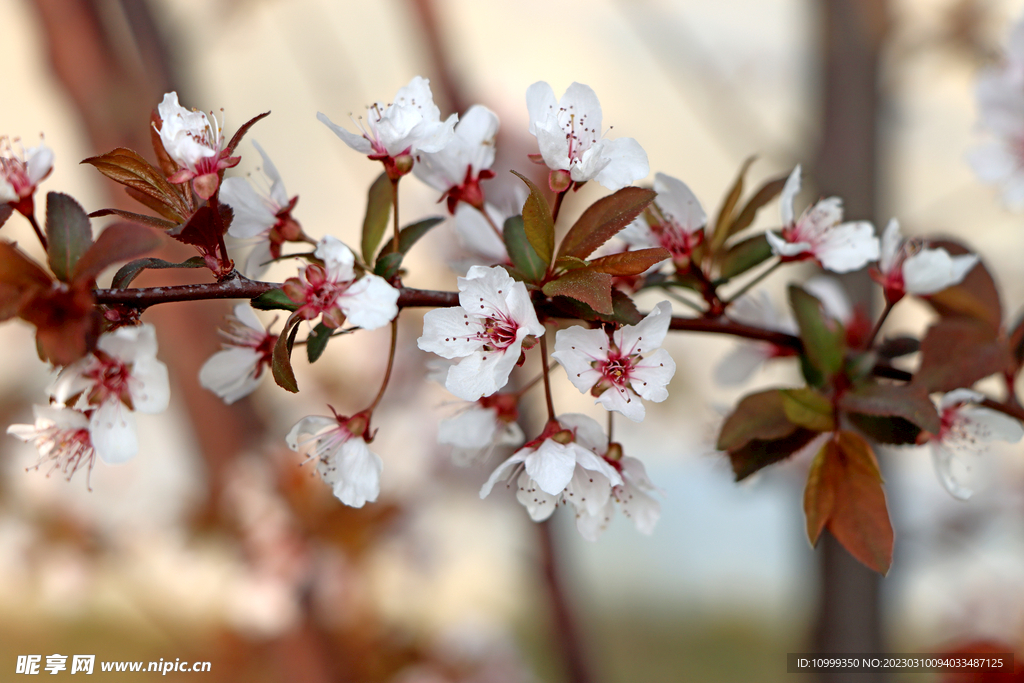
958, 396
150, 388
944, 462
482, 373
848, 247
575, 349
370, 302
356, 142
503, 470
520, 309
130, 343
540, 103
590, 526
450, 333
360, 474
640, 507
39, 162
245, 315
737, 366
258, 261
651, 376
231, 373
623, 400
988, 425
933, 270
781, 247
252, 216
589, 461
552, 144
484, 291
789, 193
337, 257
627, 163
551, 466
993, 162
310, 425
113, 434
646, 335
830, 292
539, 504
588, 490
589, 433
677, 201
892, 240
277, 192
477, 235
474, 427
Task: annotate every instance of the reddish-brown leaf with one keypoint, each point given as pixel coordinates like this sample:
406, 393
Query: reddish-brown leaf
603, 219
975, 297
66, 321
909, 402
168, 165
760, 416
723, 221
240, 133
592, 288
630, 262
844, 494
126, 167
537, 222
119, 242
19, 275
151, 221
957, 352
766, 193
758, 454
68, 234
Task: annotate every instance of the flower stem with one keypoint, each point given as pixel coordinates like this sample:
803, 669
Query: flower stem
490, 222
39, 233
547, 377
558, 205
750, 285
566, 633
611, 424
878, 325
394, 201
391, 364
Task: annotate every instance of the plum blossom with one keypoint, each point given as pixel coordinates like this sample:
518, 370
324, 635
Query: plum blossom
344, 461
235, 371
487, 331
396, 133
560, 466
476, 430
1000, 95
61, 435
965, 428
632, 496
757, 310
333, 290
677, 221
457, 169
262, 216
818, 233
620, 367
21, 171
121, 377
195, 142
907, 267
570, 138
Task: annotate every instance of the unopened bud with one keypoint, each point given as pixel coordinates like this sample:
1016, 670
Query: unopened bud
529, 341
294, 290
559, 181
357, 424
563, 437
403, 164
614, 451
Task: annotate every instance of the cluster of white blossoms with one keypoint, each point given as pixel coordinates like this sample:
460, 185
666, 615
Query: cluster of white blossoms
94, 401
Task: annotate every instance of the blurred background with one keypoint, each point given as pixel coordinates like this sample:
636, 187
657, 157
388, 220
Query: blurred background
215, 544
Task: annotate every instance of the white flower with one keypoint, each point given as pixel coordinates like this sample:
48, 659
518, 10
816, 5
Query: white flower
756, 309
966, 428
487, 331
570, 138
458, 169
818, 234
477, 235
409, 126
561, 466
622, 366
261, 215
333, 290
235, 371
633, 496
679, 220
344, 460
907, 267
475, 431
61, 435
1000, 96
195, 143
121, 376
21, 172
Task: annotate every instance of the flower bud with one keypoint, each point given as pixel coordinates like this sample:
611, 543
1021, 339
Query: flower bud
563, 437
614, 451
559, 181
403, 164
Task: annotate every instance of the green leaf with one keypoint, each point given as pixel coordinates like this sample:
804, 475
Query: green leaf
316, 342
909, 402
68, 234
766, 193
118, 242
378, 210
410, 234
524, 257
723, 221
592, 288
537, 222
281, 362
603, 219
273, 300
630, 262
388, 264
743, 256
759, 416
807, 408
823, 338
129, 271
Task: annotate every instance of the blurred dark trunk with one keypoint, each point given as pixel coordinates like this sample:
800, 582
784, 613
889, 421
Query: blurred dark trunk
852, 34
